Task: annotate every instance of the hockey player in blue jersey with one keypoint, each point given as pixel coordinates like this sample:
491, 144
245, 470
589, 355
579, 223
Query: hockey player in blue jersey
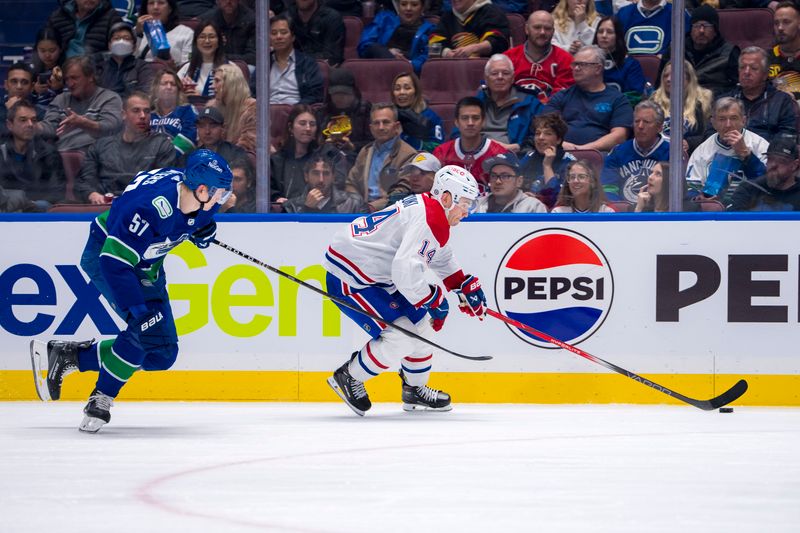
124, 258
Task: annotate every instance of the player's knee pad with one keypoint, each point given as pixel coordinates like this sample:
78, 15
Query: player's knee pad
161, 359
423, 329
394, 344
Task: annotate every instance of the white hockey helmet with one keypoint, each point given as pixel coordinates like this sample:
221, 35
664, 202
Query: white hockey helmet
459, 182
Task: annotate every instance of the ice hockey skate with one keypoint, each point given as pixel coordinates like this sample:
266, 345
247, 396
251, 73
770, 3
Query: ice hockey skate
424, 398
58, 359
97, 411
350, 390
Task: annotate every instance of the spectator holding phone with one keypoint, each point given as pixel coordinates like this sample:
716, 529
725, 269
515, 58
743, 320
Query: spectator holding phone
47, 66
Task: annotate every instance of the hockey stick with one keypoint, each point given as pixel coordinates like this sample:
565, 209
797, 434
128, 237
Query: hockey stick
346, 304
706, 405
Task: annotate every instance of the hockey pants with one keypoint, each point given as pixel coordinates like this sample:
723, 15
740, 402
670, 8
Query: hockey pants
117, 359
388, 347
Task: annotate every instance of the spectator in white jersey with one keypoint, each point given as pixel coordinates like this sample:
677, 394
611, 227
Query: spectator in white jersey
732, 154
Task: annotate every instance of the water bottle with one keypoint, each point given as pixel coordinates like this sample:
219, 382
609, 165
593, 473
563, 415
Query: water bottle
157, 39
368, 10
721, 167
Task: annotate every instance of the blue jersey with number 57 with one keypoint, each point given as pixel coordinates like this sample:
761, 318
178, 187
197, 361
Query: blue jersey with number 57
143, 225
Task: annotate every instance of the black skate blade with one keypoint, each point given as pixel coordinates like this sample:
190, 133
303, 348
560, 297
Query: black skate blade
38, 351
335, 386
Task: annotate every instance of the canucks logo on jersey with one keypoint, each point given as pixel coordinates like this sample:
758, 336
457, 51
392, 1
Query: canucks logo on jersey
644, 40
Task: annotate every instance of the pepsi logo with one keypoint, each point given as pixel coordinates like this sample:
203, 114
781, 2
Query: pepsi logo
557, 281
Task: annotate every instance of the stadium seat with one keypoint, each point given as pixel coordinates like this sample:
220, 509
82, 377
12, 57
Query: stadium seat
446, 112
72, 161
190, 22
374, 76
243, 67
516, 24
620, 206
352, 28
79, 208
325, 70
278, 114
594, 157
710, 205
449, 80
747, 27
198, 101
650, 65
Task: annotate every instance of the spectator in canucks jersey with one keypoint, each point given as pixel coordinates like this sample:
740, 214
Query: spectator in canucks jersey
733, 154
171, 112
629, 164
648, 26
124, 258
472, 28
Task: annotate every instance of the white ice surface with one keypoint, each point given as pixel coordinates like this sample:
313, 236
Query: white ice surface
238, 467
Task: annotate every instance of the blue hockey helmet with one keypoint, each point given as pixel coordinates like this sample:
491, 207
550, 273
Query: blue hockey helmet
204, 167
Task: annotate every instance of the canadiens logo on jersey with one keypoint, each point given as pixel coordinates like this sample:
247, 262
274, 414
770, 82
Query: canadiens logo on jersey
557, 281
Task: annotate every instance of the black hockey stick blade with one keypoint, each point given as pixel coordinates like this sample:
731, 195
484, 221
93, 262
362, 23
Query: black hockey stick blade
343, 303
706, 405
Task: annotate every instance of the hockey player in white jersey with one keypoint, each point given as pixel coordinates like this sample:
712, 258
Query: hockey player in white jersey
379, 264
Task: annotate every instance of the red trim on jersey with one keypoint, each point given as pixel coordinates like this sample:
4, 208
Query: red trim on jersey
454, 280
436, 219
419, 359
351, 264
374, 360
365, 306
451, 153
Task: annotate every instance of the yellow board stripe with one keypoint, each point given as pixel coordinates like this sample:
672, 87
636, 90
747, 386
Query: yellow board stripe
771, 390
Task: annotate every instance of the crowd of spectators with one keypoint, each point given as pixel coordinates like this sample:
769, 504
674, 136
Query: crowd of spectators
566, 120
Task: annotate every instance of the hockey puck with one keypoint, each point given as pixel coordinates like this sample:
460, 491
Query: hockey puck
726, 409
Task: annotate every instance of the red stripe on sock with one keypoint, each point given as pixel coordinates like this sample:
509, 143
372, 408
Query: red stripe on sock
374, 360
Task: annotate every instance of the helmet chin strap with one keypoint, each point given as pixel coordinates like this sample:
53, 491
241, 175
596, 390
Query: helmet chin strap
202, 203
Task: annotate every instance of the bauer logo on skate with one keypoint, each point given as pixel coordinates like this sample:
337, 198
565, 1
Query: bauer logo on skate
557, 281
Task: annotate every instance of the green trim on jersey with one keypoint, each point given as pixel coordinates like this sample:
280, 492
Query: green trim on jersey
152, 271
102, 221
115, 248
183, 144
114, 364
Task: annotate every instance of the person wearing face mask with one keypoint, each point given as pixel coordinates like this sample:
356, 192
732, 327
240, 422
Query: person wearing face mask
118, 70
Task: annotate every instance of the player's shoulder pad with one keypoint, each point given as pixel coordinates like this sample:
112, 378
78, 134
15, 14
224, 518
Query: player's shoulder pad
436, 219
